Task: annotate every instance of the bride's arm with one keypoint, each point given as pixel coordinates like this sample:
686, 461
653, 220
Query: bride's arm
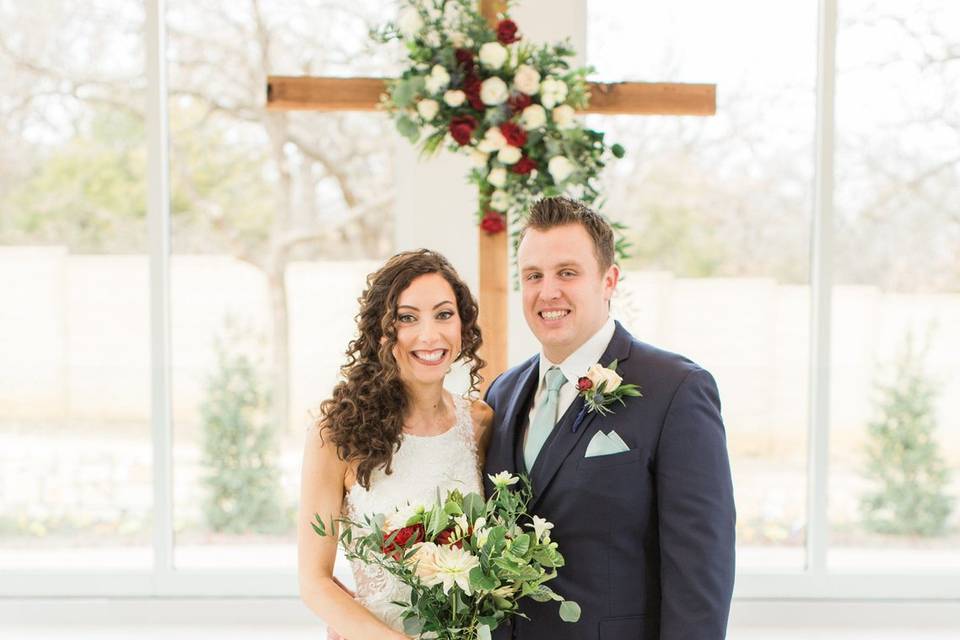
482, 416
321, 492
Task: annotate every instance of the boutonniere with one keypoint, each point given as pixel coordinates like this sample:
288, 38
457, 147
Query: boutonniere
602, 386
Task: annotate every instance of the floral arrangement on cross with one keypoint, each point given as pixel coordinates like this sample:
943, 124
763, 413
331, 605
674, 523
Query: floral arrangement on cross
507, 103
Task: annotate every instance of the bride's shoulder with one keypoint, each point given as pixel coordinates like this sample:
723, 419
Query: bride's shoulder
482, 416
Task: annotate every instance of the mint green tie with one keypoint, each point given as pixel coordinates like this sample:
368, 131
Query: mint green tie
546, 417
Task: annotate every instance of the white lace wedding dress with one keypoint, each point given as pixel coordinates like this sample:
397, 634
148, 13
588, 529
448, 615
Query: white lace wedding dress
422, 465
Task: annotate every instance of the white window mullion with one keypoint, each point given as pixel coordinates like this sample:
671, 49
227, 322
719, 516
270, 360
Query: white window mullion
158, 216
820, 291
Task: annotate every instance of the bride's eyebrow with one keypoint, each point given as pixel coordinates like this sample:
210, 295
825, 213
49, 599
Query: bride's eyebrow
408, 306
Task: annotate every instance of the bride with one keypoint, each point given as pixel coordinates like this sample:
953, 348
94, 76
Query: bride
391, 435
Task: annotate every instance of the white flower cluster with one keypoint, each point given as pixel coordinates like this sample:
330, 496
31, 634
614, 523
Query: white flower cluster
437, 24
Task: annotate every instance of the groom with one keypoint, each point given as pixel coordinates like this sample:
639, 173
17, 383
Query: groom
641, 500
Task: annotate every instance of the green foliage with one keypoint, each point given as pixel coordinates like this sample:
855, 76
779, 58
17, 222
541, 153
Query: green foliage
510, 551
239, 451
90, 192
904, 462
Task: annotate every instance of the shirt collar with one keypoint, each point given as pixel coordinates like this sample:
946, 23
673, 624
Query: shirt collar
577, 363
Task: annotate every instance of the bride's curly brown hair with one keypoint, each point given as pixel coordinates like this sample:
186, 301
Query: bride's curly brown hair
364, 416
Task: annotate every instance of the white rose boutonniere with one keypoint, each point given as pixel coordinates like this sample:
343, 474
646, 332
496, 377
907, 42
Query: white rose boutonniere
602, 386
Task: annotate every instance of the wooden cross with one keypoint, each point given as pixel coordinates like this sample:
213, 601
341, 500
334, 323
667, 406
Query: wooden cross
289, 93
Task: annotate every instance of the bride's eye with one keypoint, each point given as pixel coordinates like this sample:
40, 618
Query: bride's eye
407, 318
445, 315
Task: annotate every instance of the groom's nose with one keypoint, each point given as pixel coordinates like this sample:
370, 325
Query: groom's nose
550, 288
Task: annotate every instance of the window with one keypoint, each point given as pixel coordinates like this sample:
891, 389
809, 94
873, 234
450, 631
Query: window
719, 214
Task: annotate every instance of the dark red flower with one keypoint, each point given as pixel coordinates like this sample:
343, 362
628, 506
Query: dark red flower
471, 87
519, 101
464, 59
412, 535
493, 222
524, 165
507, 32
445, 536
514, 134
584, 384
461, 128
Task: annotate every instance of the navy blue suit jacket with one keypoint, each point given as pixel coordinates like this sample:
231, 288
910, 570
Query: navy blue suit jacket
648, 534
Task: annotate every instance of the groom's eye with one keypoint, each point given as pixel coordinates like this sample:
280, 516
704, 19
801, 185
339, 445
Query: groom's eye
533, 276
567, 273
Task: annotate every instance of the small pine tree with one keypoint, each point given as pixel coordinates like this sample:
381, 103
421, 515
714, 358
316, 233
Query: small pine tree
239, 450
903, 458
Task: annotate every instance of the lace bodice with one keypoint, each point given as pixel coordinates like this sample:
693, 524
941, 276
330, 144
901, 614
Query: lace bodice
422, 465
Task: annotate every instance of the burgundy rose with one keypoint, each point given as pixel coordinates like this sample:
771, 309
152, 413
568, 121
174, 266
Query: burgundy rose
464, 59
461, 128
519, 101
493, 223
584, 384
514, 133
507, 32
412, 535
445, 536
524, 165
471, 87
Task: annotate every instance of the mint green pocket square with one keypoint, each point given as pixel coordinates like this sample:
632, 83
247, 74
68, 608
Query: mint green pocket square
602, 444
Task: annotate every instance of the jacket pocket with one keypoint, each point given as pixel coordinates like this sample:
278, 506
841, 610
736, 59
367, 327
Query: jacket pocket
612, 460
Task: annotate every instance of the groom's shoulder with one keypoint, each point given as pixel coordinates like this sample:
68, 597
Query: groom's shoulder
508, 378
666, 364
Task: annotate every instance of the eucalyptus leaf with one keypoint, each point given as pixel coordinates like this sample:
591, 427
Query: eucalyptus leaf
408, 128
520, 545
569, 611
483, 632
413, 625
474, 506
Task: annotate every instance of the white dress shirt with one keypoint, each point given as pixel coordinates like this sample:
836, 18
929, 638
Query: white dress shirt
573, 368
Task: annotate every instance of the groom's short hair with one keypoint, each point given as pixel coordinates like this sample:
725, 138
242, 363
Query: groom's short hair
559, 211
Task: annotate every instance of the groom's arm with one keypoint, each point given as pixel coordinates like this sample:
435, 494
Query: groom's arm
696, 514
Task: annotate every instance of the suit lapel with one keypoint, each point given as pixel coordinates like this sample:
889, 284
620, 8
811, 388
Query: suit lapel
525, 387
564, 439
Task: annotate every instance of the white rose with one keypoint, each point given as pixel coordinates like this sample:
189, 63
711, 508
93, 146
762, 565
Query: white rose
533, 117
499, 200
478, 158
492, 141
563, 116
438, 79
509, 155
431, 8
428, 109
560, 168
599, 375
409, 22
398, 518
493, 55
527, 79
454, 97
432, 39
552, 92
497, 177
494, 91
452, 14
458, 39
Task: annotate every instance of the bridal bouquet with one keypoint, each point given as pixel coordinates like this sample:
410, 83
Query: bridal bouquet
468, 561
